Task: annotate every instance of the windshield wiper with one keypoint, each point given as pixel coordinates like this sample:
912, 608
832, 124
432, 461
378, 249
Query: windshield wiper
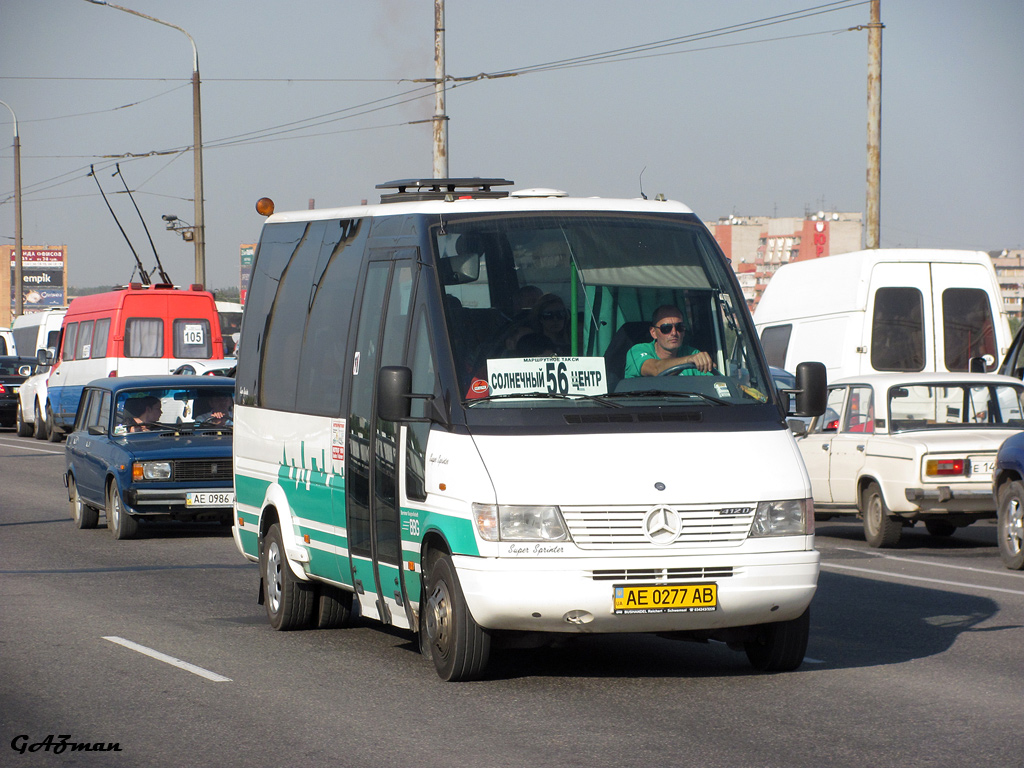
544, 395
663, 393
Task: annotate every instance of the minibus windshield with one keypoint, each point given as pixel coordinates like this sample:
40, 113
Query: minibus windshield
572, 305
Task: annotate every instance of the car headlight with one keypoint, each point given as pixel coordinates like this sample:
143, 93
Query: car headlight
513, 522
794, 517
151, 470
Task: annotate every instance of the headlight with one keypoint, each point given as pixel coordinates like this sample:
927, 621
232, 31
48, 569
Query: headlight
508, 522
794, 517
151, 470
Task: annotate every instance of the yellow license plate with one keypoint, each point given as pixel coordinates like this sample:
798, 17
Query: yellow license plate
664, 598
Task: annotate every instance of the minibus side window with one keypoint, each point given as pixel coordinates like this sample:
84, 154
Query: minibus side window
385, 475
967, 328
322, 361
280, 365
99, 338
897, 330
84, 343
191, 338
360, 425
424, 376
144, 337
277, 244
70, 334
775, 341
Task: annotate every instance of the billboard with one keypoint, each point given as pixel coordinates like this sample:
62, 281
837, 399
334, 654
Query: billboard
245, 272
43, 276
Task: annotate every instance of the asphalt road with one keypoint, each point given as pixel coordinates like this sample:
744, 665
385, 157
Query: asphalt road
914, 660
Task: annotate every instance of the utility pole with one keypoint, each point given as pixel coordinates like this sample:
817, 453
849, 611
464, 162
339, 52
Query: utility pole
19, 289
440, 118
874, 175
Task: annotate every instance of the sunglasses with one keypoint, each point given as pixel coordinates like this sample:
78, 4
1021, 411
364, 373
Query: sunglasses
552, 315
666, 328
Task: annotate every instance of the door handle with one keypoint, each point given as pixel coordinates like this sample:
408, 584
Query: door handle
824, 446
860, 448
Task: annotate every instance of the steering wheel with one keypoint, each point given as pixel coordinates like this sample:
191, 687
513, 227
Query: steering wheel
677, 368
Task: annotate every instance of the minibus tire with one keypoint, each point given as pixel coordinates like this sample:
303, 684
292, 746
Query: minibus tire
459, 647
289, 601
781, 646
880, 530
333, 607
83, 515
39, 426
121, 525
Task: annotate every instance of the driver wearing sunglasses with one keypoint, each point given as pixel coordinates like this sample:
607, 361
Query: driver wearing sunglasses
666, 348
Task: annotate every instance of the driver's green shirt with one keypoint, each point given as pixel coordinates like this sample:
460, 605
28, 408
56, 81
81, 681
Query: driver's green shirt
640, 352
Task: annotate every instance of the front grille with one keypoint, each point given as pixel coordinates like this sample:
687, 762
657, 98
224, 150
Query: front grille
622, 527
661, 574
187, 470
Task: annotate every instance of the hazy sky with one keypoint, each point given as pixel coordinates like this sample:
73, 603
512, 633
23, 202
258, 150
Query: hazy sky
317, 99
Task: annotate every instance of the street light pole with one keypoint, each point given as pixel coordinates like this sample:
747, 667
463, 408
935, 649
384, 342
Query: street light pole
19, 293
197, 147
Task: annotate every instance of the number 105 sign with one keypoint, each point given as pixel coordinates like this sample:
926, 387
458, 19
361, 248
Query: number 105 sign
554, 375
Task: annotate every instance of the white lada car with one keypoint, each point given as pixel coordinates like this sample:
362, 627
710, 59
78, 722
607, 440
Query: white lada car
902, 447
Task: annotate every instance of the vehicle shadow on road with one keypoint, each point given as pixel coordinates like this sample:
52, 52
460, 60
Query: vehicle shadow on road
864, 622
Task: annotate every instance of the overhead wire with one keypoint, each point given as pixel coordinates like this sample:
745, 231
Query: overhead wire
281, 132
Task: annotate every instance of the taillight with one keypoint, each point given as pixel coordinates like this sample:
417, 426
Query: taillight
944, 467
3, 389
112, 374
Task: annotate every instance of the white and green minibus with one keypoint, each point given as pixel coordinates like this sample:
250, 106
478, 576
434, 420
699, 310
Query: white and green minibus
402, 454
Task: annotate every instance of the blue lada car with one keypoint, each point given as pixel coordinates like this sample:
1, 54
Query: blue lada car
151, 447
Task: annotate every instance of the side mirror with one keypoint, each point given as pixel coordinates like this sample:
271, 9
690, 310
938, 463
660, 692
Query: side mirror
797, 426
46, 356
395, 396
24, 370
95, 429
394, 393
811, 386
977, 365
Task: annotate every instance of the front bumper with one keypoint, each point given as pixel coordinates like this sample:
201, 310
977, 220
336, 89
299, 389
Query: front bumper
171, 502
564, 596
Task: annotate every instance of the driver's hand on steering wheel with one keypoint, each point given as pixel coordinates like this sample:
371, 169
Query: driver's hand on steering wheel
702, 360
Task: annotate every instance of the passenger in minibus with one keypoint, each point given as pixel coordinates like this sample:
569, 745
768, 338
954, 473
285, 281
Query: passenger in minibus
666, 349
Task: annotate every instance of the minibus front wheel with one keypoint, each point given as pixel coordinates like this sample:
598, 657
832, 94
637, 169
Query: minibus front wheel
780, 647
459, 647
289, 601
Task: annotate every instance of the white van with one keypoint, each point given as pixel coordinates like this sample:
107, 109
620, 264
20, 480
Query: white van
7, 345
399, 452
34, 331
896, 309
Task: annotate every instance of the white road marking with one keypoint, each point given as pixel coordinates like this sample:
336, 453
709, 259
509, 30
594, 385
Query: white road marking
903, 576
21, 444
937, 564
170, 660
